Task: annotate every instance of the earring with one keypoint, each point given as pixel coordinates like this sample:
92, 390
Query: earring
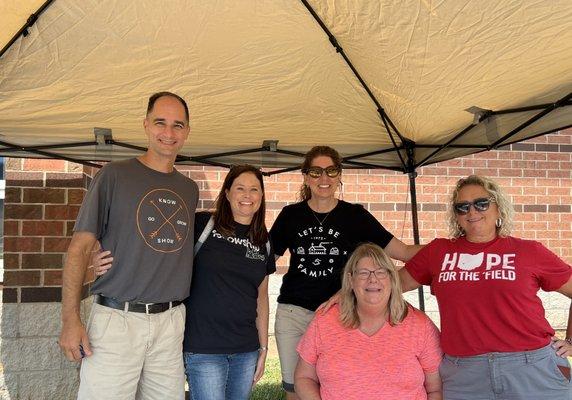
498, 222
341, 184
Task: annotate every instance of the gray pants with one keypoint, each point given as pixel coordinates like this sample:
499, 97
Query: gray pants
528, 375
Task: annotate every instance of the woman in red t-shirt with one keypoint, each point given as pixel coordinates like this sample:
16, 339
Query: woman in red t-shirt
496, 340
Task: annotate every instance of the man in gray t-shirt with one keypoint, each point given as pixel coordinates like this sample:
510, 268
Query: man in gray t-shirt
143, 211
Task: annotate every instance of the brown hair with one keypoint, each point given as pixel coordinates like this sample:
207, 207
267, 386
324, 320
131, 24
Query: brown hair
153, 99
397, 306
223, 217
314, 152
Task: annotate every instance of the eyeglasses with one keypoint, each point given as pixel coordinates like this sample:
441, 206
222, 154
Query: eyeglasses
480, 204
316, 172
364, 274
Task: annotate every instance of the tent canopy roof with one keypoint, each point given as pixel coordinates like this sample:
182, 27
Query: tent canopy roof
389, 84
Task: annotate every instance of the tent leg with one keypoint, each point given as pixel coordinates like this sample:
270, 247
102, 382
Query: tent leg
415, 222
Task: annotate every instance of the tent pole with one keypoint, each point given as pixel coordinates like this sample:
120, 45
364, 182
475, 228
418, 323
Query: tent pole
415, 221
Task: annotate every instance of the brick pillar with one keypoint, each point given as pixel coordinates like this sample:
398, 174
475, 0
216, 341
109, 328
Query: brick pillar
42, 201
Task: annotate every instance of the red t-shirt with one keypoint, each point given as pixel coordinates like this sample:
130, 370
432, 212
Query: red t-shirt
487, 292
390, 364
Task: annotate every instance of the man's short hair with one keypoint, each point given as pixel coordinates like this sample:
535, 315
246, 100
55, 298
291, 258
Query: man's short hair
158, 95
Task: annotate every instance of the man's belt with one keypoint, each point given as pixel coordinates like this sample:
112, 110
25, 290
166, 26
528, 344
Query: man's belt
147, 308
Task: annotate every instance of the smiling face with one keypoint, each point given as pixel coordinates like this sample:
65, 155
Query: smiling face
479, 226
373, 290
244, 197
167, 128
323, 187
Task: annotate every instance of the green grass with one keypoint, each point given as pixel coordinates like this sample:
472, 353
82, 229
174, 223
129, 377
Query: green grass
269, 387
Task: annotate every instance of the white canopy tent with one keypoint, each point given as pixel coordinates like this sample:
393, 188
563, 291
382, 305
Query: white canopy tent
390, 84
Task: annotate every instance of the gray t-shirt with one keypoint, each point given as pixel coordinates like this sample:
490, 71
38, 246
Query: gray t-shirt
146, 218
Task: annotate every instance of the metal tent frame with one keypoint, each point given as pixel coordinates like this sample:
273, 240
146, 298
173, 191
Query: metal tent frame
411, 155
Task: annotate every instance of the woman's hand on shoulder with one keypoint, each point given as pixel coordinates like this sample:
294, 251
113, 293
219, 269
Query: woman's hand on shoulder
101, 261
325, 306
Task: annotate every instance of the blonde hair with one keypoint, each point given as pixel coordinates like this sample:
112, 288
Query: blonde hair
504, 206
348, 302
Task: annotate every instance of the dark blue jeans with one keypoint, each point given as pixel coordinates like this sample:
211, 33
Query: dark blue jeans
220, 376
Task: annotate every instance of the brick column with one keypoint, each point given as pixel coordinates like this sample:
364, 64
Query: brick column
42, 201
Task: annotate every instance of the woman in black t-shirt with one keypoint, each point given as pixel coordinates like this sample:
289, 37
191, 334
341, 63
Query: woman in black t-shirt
320, 233
226, 331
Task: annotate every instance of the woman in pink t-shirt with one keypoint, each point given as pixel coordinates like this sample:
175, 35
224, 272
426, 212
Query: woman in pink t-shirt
371, 345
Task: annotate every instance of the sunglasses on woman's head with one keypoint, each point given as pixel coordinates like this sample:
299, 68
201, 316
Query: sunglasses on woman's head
481, 204
316, 172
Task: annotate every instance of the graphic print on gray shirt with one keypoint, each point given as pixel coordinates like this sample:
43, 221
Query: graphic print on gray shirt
146, 219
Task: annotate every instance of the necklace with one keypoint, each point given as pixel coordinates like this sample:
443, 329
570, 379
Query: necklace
318, 219
321, 222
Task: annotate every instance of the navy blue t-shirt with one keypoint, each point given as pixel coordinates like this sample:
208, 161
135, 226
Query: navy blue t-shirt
221, 309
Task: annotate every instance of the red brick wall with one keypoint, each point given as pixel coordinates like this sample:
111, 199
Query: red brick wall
537, 175
43, 197
41, 204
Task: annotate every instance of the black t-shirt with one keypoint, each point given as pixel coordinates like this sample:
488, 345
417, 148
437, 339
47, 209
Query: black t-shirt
221, 309
320, 245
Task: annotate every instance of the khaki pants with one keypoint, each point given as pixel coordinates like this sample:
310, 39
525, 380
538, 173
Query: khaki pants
135, 356
290, 326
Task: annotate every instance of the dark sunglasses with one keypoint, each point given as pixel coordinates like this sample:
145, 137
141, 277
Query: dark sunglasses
316, 172
481, 204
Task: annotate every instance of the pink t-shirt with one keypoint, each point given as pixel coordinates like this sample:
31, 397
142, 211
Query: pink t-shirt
487, 292
391, 364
